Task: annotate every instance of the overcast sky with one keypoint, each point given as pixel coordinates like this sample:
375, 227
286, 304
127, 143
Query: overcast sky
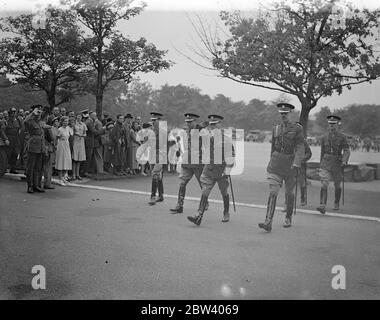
166, 23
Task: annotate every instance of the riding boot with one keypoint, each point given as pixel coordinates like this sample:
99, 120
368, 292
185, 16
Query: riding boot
160, 185
197, 219
181, 197
226, 205
323, 200
338, 192
271, 206
153, 193
289, 211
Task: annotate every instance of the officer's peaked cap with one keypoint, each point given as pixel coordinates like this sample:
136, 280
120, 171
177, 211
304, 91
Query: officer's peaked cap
284, 107
190, 117
333, 119
214, 118
155, 115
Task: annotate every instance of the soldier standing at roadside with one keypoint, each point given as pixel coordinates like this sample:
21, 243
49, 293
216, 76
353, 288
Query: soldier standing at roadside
36, 150
334, 155
287, 152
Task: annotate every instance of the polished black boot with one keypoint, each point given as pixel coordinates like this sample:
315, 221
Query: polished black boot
30, 189
38, 189
323, 200
226, 205
271, 207
289, 211
181, 197
153, 192
338, 192
160, 186
197, 219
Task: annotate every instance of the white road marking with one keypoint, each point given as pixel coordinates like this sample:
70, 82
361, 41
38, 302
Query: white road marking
241, 204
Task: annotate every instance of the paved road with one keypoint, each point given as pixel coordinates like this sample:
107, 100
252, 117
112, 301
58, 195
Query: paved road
107, 245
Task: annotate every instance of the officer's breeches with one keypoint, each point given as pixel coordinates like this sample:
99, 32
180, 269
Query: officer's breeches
34, 169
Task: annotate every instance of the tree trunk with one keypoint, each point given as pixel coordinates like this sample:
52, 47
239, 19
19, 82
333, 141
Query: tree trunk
99, 105
99, 93
51, 99
304, 117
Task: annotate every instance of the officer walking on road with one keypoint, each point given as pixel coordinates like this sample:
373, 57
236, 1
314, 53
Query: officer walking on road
215, 170
287, 152
335, 152
189, 154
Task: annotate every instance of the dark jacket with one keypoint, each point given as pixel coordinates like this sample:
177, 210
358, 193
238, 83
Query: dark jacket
287, 148
34, 127
94, 132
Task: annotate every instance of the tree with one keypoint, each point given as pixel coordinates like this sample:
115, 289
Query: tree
113, 56
298, 49
47, 59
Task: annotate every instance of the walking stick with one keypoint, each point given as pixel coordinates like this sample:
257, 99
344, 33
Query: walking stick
343, 185
295, 196
305, 195
232, 193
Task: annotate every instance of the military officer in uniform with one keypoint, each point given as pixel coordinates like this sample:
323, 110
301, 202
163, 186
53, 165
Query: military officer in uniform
287, 152
302, 174
36, 150
215, 170
189, 169
335, 152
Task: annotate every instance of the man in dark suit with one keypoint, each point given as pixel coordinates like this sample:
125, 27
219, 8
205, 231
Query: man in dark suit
94, 148
36, 150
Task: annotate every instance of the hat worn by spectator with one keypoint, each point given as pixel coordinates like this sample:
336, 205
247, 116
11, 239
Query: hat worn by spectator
285, 107
190, 117
85, 113
155, 116
128, 116
333, 119
51, 122
146, 125
110, 123
214, 118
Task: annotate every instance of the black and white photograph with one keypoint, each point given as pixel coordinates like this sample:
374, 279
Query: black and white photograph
189, 156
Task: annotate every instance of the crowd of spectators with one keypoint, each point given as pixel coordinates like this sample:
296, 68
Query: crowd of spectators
70, 144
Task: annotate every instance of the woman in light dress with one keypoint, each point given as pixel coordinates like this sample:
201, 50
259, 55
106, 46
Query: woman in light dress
134, 145
79, 151
63, 153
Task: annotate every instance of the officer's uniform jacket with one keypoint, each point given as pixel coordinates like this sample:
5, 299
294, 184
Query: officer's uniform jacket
334, 151
216, 145
49, 138
191, 155
36, 141
287, 148
13, 130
